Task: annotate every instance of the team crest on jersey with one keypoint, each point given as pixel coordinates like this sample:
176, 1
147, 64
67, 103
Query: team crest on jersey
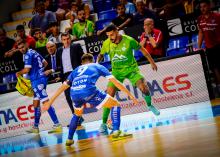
26, 57
119, 58
40, 86
123, 48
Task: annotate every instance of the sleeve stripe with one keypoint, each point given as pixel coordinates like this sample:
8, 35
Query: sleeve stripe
27, 66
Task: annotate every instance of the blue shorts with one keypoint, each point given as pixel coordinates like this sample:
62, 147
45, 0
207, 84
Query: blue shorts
39, 88
95, 100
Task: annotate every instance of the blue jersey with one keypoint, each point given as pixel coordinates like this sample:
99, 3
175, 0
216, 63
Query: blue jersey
34, 60
83, 79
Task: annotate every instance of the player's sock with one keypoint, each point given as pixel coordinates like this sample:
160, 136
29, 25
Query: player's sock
73, 126
116, 117
147, 98
37, 114
105, 115
53, 115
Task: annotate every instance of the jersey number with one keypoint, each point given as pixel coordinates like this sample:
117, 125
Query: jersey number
82, 70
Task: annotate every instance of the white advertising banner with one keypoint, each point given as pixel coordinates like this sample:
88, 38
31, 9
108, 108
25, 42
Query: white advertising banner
177, 82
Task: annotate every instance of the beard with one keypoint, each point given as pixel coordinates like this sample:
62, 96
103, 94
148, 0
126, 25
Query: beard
82, 20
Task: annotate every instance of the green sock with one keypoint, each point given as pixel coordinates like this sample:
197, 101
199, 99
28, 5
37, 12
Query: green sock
105, 114
147, 98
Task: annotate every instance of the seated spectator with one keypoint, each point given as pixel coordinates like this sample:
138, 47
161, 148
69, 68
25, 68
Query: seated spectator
143, 13
29, 39
53, 62
130, 7
72, 14
152, 39
123, 20
84, 27
85, 6
41, 38
42, 19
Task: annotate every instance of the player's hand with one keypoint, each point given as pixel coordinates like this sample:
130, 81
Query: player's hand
17, 74
57, 79
47, 72
154, 66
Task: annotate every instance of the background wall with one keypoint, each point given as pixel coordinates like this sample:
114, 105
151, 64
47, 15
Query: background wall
6, 8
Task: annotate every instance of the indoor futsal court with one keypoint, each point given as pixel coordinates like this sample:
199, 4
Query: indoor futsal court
189, 130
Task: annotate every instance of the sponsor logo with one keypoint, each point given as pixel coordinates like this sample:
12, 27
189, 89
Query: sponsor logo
119, 57
174, 27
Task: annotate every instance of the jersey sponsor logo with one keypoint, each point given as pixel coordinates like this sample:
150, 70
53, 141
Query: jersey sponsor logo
26, 57
78, 87
119, 58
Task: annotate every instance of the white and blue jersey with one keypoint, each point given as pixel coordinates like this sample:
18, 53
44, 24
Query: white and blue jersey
34, 61
82, 81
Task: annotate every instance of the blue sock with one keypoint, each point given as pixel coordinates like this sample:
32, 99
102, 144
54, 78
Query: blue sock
53, 115
116, 117
73, 126
37, 114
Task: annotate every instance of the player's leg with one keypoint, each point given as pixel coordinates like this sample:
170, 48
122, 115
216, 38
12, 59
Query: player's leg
111, 90
109, 102
73, 124
138, 80
37, 115
142, 85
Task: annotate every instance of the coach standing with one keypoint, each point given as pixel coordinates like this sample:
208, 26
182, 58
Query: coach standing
209, 30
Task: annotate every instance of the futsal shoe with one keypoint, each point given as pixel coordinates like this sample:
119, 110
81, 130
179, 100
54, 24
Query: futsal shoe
69, 142
103, 129
56, 129
34, 130
153, 109
118, 135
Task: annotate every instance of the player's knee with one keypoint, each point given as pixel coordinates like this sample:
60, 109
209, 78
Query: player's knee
78, 112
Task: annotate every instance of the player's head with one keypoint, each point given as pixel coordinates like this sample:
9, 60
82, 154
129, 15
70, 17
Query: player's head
112, 33
87, 58
204, 6
22, 46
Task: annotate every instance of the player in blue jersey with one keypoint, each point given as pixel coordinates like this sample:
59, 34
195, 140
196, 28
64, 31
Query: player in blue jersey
34, 65
83, 90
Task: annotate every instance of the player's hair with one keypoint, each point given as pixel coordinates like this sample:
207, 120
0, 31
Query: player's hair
204, 1
87, 57
80, 9
20, 27
120, 5
110, 28
36, 30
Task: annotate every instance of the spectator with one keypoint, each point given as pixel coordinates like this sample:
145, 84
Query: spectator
130, 7
209, 30
123, 20
42, 19
188, 6
53, 62
55, 33
85, 6
152, 39
70, 57
29, 39
41, 38
143, 13
84, 27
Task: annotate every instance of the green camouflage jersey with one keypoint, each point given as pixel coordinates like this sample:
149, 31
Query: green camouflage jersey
121, 55
81, 30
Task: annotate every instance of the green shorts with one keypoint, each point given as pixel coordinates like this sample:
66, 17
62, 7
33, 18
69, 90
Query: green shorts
132, 76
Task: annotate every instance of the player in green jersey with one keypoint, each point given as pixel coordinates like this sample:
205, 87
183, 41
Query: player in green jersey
120, 49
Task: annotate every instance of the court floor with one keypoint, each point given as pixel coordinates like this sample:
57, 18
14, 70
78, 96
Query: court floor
189, 130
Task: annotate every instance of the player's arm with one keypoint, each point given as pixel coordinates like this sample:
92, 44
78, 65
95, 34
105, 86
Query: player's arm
60, 90
200, 38
124, 24
23, 71
149, 58
121, 87
100, 58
